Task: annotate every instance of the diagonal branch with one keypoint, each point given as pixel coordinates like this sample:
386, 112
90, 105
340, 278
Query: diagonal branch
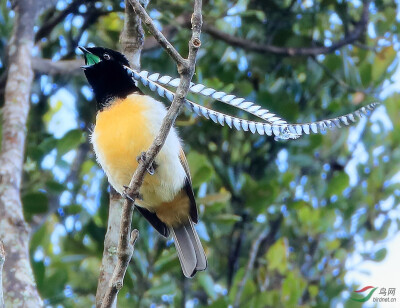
2, 259
156, 33
249, 267
132, 41
249, 45
186, 68
52, 22
19, 286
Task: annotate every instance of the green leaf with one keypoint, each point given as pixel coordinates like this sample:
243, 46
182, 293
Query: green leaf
70, 141
164, 288
207, 283
35, 203
380, 255
337, 184
382, 61
277, 256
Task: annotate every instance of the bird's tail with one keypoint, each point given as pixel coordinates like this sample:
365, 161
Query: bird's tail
190, 251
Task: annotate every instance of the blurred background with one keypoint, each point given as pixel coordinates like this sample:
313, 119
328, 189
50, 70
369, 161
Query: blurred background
318, 216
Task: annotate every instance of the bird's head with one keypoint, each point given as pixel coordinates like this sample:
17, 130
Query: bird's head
100, 57
105, 70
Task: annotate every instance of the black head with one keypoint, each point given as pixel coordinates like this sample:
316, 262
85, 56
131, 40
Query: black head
105, 71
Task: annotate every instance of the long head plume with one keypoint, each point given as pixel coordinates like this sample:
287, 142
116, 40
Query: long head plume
270, 125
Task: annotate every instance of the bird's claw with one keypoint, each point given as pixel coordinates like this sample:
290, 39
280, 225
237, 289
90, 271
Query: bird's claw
151, 168
126, 195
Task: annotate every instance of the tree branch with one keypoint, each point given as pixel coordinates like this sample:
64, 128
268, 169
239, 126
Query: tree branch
186, 68
52, 22
131, 40
249, 267
109, 260
139, 10
249, 45
19, 285
63, 67
2, 259
132, 37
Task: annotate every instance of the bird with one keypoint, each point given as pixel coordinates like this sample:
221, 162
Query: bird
127, 121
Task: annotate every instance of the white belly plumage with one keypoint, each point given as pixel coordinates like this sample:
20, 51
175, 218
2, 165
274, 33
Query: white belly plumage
122, 132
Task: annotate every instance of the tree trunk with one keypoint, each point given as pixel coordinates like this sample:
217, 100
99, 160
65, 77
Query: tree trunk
19, 284
131, 40
110, 246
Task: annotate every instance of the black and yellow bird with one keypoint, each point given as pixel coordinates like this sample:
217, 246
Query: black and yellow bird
127, 122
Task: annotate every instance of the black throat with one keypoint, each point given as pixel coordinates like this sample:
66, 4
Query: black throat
109, 81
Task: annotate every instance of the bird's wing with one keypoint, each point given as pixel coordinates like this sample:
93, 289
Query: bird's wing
188, 187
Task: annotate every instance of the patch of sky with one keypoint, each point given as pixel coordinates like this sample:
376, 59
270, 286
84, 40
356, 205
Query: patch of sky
243, 65
371, 30
261, 218
334, 20
202, 231
68, 292
78, 225
78, 21
65, 198
61, 5
338, 221
306, 4
65, 118
327, 42
238, 8
82, 8
155, 14
299, 192
67, 23
69, 223
233, 21
378, 223
49, 160
83, 40
282, 160
38, 254
59, 231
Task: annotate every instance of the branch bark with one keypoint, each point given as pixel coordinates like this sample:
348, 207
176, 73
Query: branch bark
52, 22
249, 45
131, 40
109, 259
266, 239
2, 259
63, 67
186, 68
249, 267
19, 285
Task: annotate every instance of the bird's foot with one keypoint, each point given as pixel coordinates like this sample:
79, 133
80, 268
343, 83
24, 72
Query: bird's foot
126, 195
151, 169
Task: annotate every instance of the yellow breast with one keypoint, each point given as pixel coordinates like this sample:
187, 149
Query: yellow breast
122, 132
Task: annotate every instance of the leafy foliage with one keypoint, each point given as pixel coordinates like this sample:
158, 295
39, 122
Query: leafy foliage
314, 195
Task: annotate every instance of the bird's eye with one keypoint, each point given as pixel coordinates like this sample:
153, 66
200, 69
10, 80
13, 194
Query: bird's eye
106, 56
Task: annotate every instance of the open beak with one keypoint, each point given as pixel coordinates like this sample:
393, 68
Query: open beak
90, 58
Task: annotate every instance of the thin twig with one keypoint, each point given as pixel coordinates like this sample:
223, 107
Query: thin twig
20, 289
186, 69
249, 267
156, 33
2, 260
246, 44
132, 36
131, 40
55, 20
